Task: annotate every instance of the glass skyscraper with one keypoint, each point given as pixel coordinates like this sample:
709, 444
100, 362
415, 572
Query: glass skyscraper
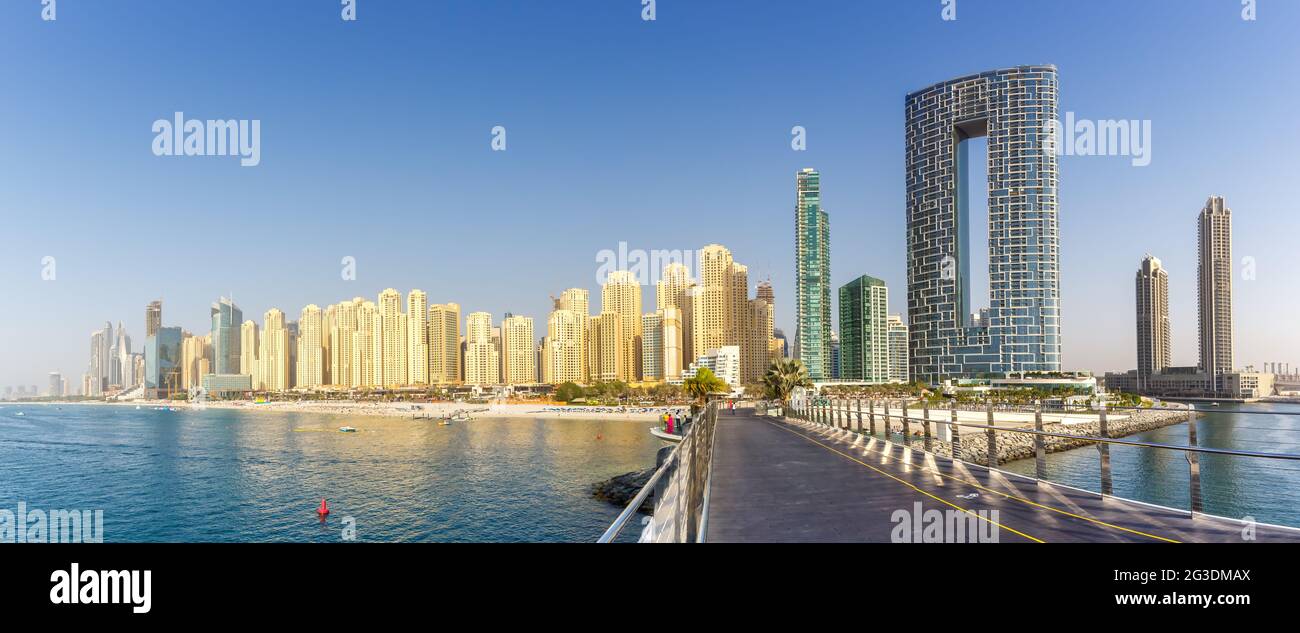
812, 277
864, 330
1014, 108
226, 322
162, 363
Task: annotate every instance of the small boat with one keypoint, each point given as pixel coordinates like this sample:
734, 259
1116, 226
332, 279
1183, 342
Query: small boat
324, 508
137, 407
444, 423
20, 413
460, 416
1214, 404
347, 429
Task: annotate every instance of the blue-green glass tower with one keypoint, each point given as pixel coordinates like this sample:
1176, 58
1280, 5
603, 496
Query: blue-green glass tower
812, 277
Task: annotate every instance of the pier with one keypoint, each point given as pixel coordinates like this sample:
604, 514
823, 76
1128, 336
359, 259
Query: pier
847, 472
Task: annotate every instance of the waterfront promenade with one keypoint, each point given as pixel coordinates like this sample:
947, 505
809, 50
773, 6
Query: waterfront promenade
786, 480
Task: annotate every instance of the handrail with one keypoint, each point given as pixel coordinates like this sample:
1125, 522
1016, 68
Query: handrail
1089, 438
688, 451
617, 526
826, 412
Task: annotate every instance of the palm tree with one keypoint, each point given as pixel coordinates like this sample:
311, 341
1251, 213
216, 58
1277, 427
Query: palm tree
782, 377
703, 383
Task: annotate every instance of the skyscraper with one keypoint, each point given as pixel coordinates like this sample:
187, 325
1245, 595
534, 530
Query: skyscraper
897, 348
1154, 343
365, 344
609, 345
101, 356
518, 351
577, 301
1214, 290
417, 338
1012, 107
196, 359
566, 345
274, 354
311, 353
482, 360
152, 318
248, 345
672, 332
652, 347
444, 343
226, 321
119, 358
622, 294
671, 291
812, 276
392, 363
343, 336
163, 363
864, 330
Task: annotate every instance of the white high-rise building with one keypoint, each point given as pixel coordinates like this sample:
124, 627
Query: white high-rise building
1214, 291
444, 343
482, 360
417, 336
365, 345
621, 294
311, 353
274, 353
565, 347
248, 349
518, 351
1154, 343
897, 348
392, 348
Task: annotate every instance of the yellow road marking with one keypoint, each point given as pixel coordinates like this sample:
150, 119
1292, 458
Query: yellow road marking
1014, 497
909, 485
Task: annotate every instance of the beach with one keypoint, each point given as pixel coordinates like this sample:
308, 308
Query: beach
408, 409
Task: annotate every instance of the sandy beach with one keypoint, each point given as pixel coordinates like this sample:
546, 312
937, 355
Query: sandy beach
409, 410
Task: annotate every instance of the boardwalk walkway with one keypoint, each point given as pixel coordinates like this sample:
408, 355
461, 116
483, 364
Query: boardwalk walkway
791, 481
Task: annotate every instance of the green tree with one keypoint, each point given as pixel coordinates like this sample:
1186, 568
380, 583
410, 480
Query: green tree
568, 392
703, 383
782, 377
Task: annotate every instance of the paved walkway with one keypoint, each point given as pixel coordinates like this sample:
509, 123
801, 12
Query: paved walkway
788, 481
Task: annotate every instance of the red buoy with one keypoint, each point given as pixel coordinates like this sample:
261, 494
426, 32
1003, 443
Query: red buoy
324, 508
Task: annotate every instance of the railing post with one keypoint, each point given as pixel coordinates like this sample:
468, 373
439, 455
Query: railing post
907, 426
925, 417
956, 434
1193, 462
1103, 449
993, 437
871, 415
1040, 450
859, 405
839, 414
889, 427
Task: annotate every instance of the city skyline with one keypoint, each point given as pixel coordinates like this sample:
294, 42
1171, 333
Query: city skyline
1111, 213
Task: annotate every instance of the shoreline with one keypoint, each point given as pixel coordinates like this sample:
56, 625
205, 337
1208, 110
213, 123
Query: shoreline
406, 410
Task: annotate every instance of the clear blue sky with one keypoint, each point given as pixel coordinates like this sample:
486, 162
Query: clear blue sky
665, 134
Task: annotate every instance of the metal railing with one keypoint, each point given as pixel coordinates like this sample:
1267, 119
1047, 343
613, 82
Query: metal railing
680, 486
840, 416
